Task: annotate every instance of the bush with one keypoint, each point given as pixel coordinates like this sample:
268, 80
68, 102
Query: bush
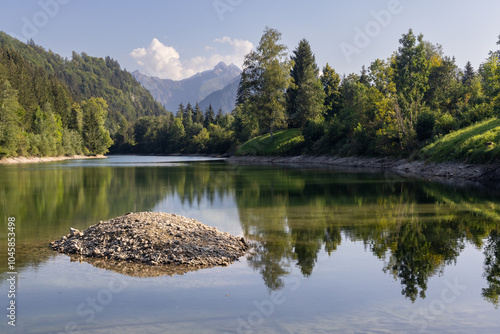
313, 132
293, 146
475, 114
425, 126
445, 124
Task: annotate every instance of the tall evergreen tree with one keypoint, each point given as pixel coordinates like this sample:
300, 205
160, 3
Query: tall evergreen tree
180, 111
469, 74
76, 118
209, 116
219, 116
187, 117
305, 95
198, 116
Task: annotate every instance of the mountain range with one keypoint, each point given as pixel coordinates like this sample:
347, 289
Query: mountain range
217, 87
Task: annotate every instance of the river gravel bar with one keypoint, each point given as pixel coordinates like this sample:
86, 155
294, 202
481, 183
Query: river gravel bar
156, 239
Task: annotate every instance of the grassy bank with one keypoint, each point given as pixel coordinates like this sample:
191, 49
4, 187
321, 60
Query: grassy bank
478, 143
283, 143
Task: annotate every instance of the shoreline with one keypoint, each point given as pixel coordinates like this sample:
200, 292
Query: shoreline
486, 174
28, 160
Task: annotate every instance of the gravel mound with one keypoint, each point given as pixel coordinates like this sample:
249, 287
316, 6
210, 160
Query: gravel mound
155, 239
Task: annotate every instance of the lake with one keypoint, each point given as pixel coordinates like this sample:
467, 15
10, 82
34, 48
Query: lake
334, 251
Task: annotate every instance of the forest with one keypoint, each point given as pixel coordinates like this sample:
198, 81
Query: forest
394, 107
52, 106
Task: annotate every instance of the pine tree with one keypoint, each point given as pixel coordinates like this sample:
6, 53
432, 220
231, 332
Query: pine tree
180, 111
305, 96
218, 118
76, 118
209, 116
469, 74
187, 117
198, 116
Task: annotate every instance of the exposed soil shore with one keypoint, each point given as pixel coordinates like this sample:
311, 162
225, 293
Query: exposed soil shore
28, 160
453, 171
136, 242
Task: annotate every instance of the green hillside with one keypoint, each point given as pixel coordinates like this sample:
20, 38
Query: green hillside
478, 143
286, 142
53, 106
83, 77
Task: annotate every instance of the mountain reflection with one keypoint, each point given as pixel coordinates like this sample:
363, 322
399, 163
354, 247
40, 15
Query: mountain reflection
289, 215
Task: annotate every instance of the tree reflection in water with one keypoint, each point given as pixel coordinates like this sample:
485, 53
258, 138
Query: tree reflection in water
418, 228
290, 215
492, 267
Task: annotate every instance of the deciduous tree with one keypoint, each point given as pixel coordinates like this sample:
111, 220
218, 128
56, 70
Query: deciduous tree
95, 136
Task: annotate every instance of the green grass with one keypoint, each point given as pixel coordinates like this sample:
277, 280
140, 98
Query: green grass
478, 143
283, 143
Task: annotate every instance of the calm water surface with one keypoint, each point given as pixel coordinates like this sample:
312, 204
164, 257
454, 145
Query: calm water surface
334, 251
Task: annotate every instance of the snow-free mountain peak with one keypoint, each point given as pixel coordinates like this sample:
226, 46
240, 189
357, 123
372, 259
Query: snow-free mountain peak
193, 89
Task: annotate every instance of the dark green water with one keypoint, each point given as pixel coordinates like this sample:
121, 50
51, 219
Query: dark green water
334, 251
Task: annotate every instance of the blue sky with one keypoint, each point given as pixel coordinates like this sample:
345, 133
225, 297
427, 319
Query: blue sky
178, 38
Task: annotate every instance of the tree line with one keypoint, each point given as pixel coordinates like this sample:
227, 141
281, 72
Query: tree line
190, 130
393, 107
38, 117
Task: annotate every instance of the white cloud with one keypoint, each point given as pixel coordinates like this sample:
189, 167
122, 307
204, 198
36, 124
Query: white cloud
159, 59
165, 62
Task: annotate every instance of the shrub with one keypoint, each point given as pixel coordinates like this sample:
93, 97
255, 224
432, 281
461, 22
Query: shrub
425, 126
445, 124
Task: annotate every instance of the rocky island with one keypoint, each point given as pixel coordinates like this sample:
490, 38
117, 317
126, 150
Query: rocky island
151, 244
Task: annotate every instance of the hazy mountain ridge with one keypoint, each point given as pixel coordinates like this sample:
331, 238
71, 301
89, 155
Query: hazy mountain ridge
200, 87
224, 98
